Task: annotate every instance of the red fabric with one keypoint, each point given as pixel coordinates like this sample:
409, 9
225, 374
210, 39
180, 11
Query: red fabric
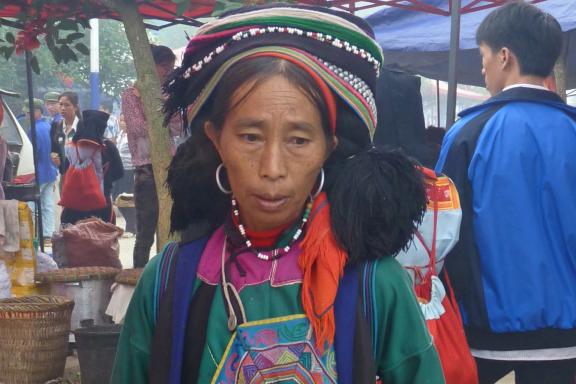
263, 239
82, 189
156, 9
447, 331
449, 338
326, 92
322, 263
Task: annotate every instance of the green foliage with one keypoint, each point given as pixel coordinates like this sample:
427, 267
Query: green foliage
60, 72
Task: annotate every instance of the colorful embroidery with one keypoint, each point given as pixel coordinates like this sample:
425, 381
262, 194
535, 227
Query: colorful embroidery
275, 350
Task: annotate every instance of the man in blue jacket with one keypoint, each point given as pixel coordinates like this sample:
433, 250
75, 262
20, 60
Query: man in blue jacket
513, 161
46, 172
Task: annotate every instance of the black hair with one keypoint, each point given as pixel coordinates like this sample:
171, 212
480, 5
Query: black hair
191, 179
534, 36
162, 54
73, 98
376, 203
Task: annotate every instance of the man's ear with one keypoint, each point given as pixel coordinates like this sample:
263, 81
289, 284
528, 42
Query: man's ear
505, 58
213, 134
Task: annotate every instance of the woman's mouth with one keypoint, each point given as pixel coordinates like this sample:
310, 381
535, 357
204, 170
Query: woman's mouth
271, 203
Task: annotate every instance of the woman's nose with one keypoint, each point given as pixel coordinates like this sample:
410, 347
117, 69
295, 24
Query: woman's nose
272, 162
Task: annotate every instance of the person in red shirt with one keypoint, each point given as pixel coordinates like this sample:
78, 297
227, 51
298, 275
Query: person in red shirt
145, 195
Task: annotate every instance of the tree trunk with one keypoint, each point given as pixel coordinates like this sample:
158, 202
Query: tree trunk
150, 93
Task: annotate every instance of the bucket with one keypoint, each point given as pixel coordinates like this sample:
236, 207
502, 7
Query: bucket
96, 347
89, 287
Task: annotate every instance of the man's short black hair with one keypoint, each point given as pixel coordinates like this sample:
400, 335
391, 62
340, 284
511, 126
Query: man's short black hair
107, 104
162, 54
534, 36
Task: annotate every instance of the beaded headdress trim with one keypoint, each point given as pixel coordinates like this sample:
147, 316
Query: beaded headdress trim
349, 87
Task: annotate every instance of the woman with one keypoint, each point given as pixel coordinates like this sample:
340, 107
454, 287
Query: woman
63, 131
89, 145
288, 218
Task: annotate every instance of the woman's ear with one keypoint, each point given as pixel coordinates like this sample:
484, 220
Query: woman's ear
331, 146
213, 134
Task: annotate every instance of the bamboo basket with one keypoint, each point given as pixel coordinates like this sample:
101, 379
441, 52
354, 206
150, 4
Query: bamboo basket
33, 338
129, 276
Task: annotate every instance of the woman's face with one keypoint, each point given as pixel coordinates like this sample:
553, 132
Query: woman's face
67, 109
122, 122
273, 146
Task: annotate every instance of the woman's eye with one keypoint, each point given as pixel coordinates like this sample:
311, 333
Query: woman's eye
249, 137
299, 141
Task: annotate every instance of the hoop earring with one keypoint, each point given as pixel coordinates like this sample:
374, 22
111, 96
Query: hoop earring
319, 190
220, 185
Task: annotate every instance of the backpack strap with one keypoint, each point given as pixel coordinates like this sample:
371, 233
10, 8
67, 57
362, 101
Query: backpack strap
174, 286
346, 300
168, 254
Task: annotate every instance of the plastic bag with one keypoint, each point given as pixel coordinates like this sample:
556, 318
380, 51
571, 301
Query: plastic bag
5, 283
22, 263
92, 242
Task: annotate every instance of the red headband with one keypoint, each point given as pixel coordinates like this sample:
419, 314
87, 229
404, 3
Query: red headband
326, 92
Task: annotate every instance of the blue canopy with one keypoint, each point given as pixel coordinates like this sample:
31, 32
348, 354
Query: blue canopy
419, 42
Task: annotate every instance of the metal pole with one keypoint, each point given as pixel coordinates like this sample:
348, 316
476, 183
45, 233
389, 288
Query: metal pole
38, 203
95, 63
453, 62
438, 102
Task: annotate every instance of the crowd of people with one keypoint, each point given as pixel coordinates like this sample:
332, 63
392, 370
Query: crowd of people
290, 217
118, 149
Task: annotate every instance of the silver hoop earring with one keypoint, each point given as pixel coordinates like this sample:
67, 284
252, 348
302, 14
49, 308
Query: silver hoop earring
315, 195
220, 185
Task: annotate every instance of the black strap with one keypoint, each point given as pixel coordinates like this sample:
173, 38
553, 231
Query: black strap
159, 366
196, 332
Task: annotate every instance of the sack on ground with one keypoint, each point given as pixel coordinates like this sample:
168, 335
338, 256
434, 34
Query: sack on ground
92, 242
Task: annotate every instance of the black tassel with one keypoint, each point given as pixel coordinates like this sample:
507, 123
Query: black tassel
376, 202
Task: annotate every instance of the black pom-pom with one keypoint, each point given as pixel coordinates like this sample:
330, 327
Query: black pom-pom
376, 202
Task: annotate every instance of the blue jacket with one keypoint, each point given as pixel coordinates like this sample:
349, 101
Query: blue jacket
513, 160
46, 171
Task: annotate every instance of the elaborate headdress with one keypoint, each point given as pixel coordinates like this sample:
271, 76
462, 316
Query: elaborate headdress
335, 48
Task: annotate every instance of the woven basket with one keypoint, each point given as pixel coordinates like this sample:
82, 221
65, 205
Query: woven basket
33, 338
70, 275
129, 276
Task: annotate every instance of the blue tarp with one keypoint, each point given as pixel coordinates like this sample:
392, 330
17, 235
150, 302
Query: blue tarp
418, 42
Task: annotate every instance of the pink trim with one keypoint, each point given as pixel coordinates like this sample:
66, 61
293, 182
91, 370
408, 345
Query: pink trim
284, 271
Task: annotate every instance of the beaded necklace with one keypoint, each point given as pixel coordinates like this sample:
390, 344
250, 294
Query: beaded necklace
276, 253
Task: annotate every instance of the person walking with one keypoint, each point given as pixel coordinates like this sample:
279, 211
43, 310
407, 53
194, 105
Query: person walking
512, 160
46, 172
90, 146
52, 107
62, 132
145, 195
